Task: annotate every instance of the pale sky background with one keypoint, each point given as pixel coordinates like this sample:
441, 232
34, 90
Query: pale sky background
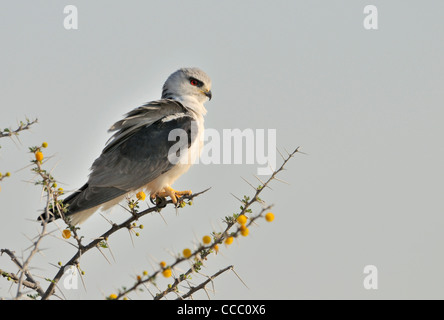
367, 107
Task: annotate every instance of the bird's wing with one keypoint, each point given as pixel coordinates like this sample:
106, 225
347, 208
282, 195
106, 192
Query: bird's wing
142, 116
139, 150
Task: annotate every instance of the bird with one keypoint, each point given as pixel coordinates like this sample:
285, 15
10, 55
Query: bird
143, 154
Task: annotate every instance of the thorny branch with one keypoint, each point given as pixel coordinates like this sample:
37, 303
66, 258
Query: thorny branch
22, 126
7, 132
199, 255
74, 261
203, 284
24, 267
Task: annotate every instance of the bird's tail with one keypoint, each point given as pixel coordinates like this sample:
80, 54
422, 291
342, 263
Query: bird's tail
82, 203
51, 214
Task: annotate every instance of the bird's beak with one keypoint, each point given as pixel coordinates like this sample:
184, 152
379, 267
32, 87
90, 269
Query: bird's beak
208, 94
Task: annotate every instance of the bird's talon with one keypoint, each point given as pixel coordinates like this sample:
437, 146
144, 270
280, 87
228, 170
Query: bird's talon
173, 194
158, 201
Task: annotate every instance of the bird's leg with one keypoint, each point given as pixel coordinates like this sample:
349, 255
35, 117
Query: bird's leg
173, 194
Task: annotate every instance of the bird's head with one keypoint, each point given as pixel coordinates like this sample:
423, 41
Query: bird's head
188, 82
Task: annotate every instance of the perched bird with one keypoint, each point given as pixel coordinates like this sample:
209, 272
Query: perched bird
143, 154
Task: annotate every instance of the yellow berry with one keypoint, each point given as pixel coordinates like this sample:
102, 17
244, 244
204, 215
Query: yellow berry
39, 156
216, 248
269, 217
186, 253
244, 231
145, 273
242, 219
167, 273
163, 264
44, 144
141, 195
113, 296
66, 234
229, 240
206, 239
7, 174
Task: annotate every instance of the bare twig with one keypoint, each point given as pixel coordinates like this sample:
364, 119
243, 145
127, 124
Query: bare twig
203, 284
23, 126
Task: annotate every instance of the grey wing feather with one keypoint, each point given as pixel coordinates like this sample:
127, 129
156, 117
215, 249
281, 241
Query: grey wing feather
89, 197
142, 116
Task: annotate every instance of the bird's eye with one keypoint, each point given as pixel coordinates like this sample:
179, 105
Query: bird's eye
194, 82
